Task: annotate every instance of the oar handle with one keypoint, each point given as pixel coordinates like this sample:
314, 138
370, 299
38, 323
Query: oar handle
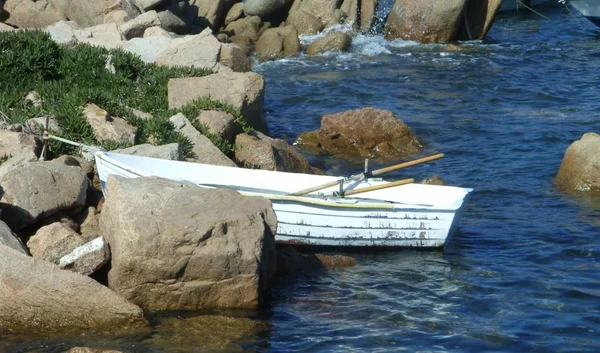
316, 188
406, 164
380, 187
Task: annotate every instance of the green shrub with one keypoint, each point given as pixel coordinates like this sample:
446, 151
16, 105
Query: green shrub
66, 79
26, 57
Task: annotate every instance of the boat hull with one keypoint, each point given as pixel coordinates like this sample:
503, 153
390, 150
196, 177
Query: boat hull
322, 219
588, 8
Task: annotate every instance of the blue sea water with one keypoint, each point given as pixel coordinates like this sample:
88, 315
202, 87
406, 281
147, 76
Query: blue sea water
522, 273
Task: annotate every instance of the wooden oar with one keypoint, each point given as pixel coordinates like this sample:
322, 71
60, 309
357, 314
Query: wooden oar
406, 164
373, 173
379, 187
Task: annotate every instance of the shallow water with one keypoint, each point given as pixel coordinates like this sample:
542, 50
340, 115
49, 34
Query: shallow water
522, 274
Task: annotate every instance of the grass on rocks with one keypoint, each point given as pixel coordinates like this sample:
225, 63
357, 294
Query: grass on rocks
67, 78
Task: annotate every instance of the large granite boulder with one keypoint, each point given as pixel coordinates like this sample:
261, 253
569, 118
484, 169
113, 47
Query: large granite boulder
245, 27
480, 17
580, 167
304, 22
16, 161
15, 143
426, 21
332, 41
362, 133
32, 14
322, 10
203, 148
276, 43
86, 13
37, 190
176, 246
264, 8
10, 239
258, 151
244, 91
37, 296
212, 12
201, 51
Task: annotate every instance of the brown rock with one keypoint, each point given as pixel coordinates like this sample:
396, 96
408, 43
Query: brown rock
54, 241
108, 128
15, 143
235, 13
333, 41
244, 91
204, 151
244, 42
247, 27
220, 123
322, 10
433, 180
304, 22
290, 262
206, 333
480, 17
36, 296
89, 221
426, 21
176, 246
234, 57
258, 151
276, 43
362, 133
32, 14
37, 190
580, 167
201, 51
86, 13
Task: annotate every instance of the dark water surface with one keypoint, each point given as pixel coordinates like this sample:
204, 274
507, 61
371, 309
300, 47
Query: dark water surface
522, 274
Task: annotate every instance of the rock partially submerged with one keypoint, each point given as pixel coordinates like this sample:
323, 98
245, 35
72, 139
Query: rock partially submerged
580, 167
362, 133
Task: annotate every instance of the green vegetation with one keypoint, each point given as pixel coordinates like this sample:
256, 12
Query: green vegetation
68, 78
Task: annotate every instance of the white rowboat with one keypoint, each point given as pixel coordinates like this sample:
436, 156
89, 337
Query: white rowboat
411, 215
